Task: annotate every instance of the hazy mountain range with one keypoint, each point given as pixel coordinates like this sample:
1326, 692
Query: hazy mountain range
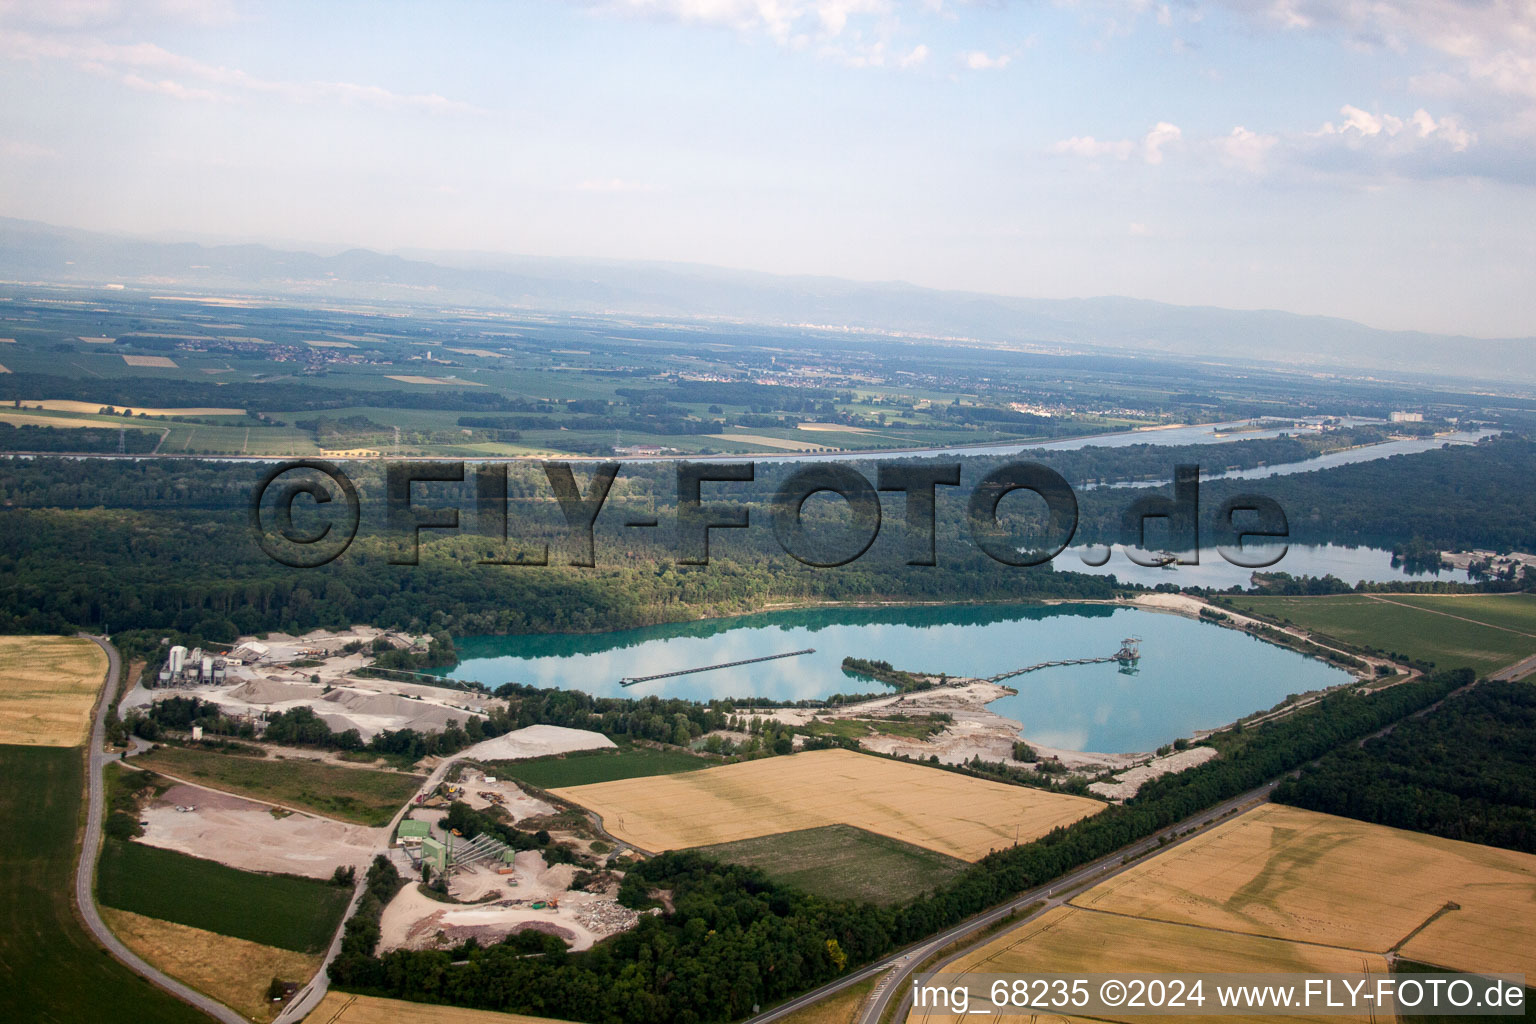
35, 252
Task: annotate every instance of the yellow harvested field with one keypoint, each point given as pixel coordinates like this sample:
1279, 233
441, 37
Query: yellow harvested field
484, 353
773, 442
406, 378
3, 368
343, 1008
69, 405
1067, 939
329, 344
161, 361
954, 814
1300, 875
97, 341
233, 971
838, 427
21, 417
48, 685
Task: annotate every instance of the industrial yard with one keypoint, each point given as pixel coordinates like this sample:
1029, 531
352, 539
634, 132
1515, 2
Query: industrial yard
493, 903
321, 671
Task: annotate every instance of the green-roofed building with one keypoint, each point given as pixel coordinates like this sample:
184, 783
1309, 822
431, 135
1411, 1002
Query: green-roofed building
411, 832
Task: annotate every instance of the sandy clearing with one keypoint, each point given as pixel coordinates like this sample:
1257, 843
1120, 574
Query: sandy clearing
236, 972
536, 741
513, 800
161, 361
245, 834
48, 685
954, 814
369, 706
407, 378
415, 921
345, 1008
1128, 782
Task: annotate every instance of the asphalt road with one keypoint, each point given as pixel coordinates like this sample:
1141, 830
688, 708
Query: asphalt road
899, 968
309, 997
85, 872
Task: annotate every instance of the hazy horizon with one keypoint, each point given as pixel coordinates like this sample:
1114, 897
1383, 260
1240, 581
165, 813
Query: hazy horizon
1318, 157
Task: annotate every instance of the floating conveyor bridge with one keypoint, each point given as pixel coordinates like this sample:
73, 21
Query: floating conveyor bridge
1128, 654
632, 680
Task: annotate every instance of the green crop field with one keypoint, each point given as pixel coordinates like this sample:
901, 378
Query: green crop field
844, 863
360, 795
1507, 611
588, 766
51, 970
1449, 631
300, 914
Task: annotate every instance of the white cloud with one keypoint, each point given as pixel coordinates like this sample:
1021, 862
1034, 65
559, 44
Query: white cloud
1092, 148
781, 19
1247, 149
1162, 134
978, 60
1151, 146
1359, 125
147, 67
918, 55
1492, 42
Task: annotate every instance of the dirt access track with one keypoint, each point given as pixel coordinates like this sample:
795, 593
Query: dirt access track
254, 836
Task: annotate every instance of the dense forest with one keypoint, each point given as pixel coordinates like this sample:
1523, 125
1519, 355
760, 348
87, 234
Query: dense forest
1463, 771
734, 939
161, 544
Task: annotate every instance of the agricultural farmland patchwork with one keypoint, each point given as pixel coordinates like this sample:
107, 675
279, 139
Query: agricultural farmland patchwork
1071, 939
233, 971
1315, 878
297, 914
51, 969
953, 814
841, 862
1482, 633
585, 767
48, 685
345, 1008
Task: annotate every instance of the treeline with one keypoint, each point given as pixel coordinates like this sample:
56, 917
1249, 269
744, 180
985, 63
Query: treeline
32, 438
360, 937
1463, 771
735, 939
885, 672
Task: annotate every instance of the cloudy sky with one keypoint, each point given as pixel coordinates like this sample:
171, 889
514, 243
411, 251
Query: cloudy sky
1374, 159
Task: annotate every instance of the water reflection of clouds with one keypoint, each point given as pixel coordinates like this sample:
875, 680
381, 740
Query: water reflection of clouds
1188, 677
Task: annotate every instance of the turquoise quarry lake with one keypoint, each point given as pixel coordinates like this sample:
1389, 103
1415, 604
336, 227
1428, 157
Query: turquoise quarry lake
1192, 675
